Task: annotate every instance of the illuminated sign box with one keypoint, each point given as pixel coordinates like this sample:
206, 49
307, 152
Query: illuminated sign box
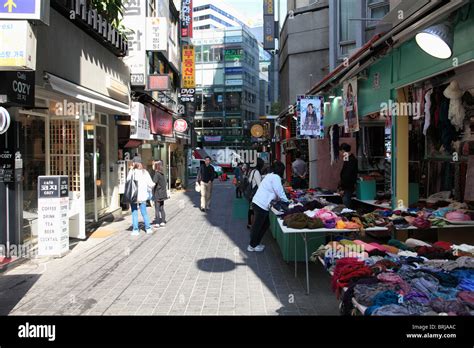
158, 83
34, 10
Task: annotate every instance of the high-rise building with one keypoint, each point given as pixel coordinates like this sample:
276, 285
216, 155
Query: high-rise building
207, 15
227, 85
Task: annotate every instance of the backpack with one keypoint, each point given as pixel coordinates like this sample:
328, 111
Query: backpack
250, 191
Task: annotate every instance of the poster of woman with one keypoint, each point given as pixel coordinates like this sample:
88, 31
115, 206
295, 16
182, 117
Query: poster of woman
351, 116
310, 120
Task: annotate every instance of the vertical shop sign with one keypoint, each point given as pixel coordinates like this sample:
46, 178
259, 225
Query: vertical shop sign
188, 68
268, 25
187, 18
122, 175
53, 221
350, 106
140, 128
134, 16
157, 34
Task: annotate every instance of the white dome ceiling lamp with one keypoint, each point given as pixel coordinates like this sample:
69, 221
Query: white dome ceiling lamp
437, 40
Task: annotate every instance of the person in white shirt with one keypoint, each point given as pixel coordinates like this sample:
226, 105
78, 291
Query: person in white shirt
145, 185
255, 178
270, 189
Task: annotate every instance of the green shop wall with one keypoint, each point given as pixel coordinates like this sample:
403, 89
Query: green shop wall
370, 96
333, 113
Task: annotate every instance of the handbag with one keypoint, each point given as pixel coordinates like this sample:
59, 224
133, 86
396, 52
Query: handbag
130, 194
250, 191
198, 187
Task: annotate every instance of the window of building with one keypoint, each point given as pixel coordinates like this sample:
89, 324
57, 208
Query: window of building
377, 9
233, 122
209, 102
233, 101
347, 10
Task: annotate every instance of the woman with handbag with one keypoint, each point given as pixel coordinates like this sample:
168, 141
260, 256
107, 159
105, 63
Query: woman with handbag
144, 184
160, 194
255, 179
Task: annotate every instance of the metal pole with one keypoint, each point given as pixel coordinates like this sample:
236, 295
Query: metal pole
8, 221
169, 167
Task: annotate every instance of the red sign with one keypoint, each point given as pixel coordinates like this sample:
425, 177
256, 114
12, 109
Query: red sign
187, 18
180, 126
161, 122
158, 83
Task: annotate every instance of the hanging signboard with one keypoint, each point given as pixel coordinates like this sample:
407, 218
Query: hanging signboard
122, 175
156, 34
309, 110
187, 95
18, 87
158, 82
187, 18
134, 16
180, 126
161, 122
188, 70
140, 127
53, 221
17, 45
350, 107
33, 10
269, 32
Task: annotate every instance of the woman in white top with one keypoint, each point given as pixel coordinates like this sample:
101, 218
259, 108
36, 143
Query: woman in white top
270, 189
255, 178
145, 185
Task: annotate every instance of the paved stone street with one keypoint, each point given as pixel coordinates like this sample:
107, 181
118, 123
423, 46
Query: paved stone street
197, 265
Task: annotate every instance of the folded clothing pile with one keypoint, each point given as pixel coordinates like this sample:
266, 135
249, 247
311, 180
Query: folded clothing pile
347, 270
302, 221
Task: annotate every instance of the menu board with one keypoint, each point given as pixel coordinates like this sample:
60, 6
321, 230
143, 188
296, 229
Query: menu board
53, 221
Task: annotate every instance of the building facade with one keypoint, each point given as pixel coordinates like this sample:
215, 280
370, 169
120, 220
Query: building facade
227, 85
208, 15
78, 84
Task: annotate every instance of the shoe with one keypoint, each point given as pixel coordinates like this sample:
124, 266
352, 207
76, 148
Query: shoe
149, 231
249, 227
163, 224
156, 226
203, 210
258, 248
135, 233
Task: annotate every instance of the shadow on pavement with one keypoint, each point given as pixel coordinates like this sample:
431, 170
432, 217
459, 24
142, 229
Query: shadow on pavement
273, 271
18, 286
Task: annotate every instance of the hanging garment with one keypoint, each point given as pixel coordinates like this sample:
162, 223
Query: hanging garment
427, 110
456, 111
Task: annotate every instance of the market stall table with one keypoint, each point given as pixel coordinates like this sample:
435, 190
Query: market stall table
304, 232
372, 203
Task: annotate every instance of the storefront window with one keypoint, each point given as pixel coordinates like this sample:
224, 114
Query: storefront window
210, 102
32, 145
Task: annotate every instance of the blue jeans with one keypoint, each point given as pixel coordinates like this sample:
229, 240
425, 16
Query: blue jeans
135, 216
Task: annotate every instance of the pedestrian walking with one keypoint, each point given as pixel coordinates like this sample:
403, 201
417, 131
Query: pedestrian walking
348, 174
205, 179
160, 194
238, 177
270, 188
145, 185
255, 178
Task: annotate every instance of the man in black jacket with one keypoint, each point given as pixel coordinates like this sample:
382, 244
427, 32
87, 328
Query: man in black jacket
348, 174
206, 176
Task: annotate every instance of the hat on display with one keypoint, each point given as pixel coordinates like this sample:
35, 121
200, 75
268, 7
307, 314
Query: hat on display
453, 91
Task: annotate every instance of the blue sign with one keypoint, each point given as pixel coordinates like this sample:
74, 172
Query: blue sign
236, 70
18, 6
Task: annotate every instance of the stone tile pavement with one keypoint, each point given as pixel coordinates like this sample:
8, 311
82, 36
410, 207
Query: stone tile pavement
196, 265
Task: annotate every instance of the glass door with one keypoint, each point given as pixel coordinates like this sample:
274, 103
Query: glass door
95, 171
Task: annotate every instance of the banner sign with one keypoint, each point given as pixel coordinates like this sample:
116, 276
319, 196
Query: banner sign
350, 107
269, 32
134, 16
189, 67
309, 110
122, 175
156, 34
187, 18
53, 220
268, 7
161, 122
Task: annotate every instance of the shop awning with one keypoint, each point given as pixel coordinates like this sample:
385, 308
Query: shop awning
82, 93
133, 143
